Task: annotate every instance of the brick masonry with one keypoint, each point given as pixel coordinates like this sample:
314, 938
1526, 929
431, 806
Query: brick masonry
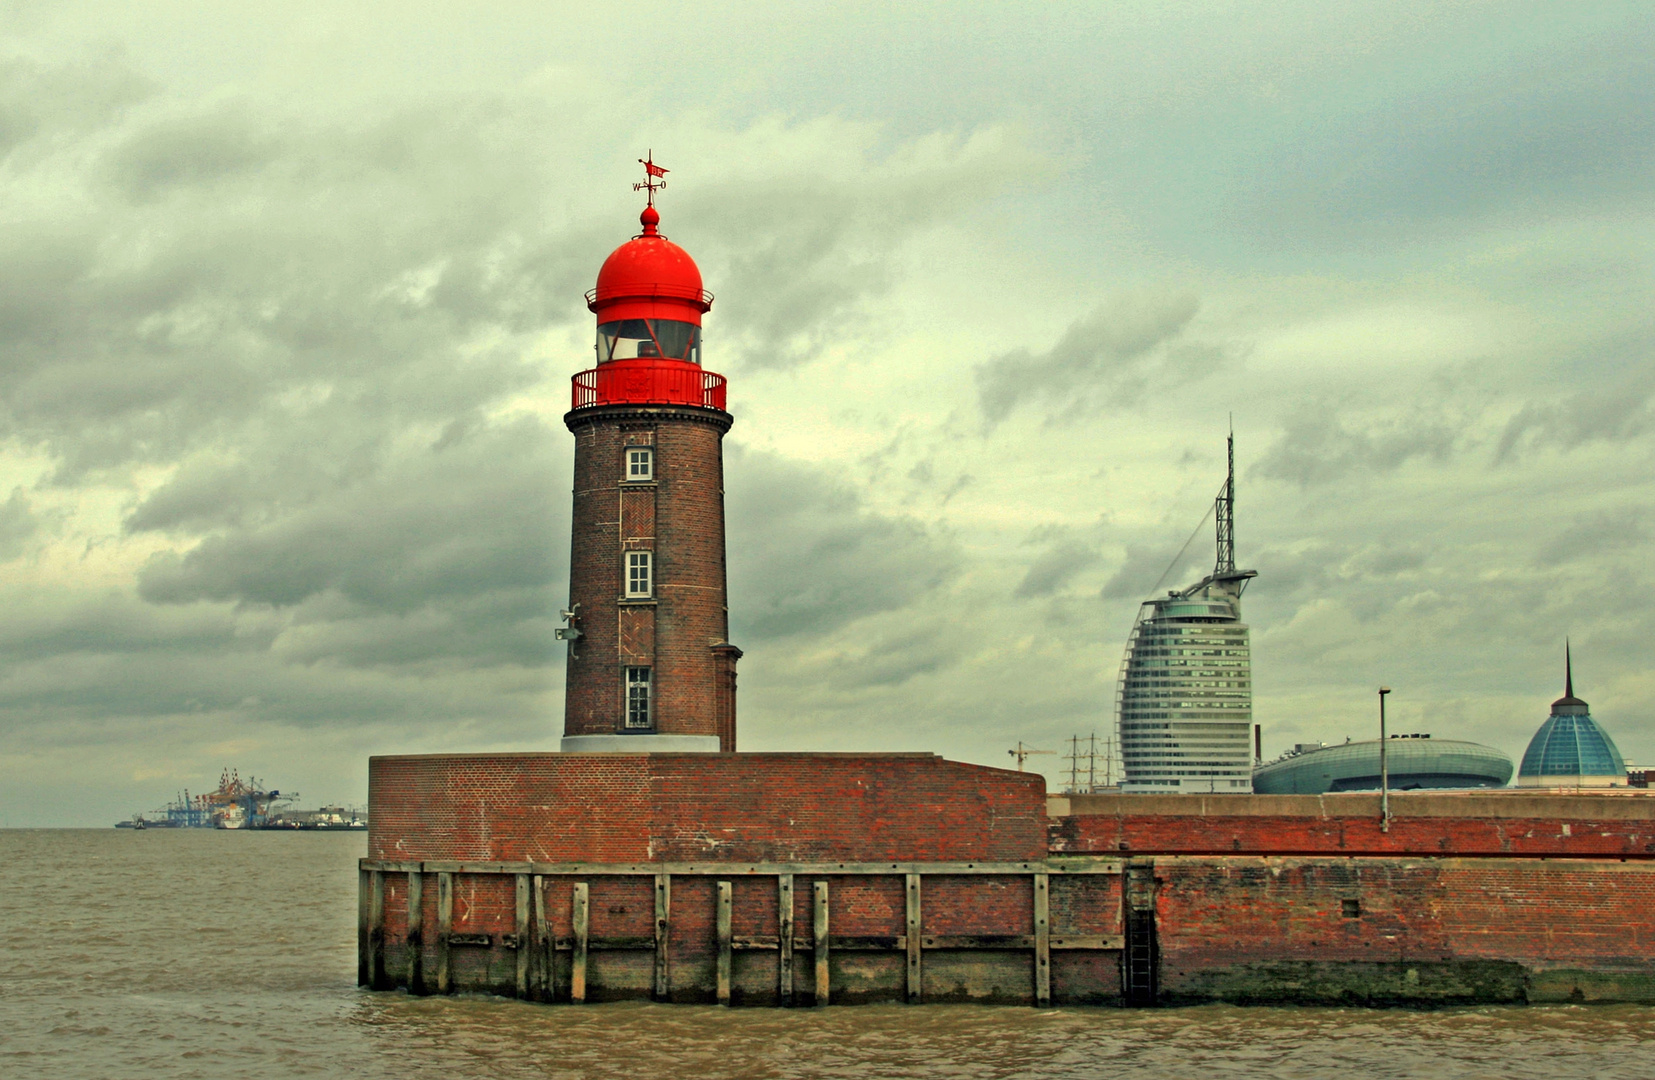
681, 633
1390, 930
683, 807
1505, 897
1493, 823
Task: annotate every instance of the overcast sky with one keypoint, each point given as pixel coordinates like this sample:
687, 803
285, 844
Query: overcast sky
290, 296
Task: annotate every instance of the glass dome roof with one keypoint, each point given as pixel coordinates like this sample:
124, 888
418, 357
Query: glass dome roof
1572, 744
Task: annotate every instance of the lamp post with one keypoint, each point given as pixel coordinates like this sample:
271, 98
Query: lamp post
1384, 769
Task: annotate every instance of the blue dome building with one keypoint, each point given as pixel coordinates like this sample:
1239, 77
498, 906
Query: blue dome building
1570, 749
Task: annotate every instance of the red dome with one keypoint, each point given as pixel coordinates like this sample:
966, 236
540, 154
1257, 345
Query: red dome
649, 277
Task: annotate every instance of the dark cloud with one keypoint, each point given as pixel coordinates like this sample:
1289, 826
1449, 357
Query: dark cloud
17, 524
1107, 360
228, 272
40, 102
1321, 446
1615, 412
1601, 534
800, 258
1145, 565
472, 527
1571, 124
807, 556
1062, 556
183, 155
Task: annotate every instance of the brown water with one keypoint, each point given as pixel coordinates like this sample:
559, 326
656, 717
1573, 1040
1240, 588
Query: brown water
224, 955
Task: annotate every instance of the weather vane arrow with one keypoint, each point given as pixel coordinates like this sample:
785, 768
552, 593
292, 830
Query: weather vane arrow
655, 177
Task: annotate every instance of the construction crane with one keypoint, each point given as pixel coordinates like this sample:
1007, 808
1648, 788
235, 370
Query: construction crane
242, 804
1023, 753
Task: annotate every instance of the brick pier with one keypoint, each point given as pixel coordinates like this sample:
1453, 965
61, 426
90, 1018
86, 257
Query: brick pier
766, 879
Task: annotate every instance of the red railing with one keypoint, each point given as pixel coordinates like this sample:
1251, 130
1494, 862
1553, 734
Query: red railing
649, 382
651, 291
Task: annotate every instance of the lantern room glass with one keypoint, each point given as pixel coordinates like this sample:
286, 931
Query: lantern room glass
629, 339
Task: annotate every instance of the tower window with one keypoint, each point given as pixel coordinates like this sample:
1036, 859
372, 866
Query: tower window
640, 575
1350, 909
640, 464
637, 699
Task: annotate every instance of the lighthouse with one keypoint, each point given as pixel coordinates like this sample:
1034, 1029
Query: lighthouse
650, 665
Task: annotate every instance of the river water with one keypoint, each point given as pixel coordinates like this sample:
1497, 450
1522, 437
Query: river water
225, 954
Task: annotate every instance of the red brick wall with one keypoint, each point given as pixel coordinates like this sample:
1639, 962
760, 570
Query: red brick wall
1229, 922
1504, 824
680, 517
684, 807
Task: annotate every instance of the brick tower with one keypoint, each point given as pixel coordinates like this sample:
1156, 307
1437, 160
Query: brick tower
650, 665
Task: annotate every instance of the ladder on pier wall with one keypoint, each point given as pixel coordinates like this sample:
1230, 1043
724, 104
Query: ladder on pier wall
1140, 958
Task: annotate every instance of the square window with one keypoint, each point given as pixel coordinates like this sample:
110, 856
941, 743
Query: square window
637, 699
1350, 909
640, 575
640, 464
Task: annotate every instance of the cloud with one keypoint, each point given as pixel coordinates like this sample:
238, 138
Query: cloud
17, 524
1062, 556
803, 248
1569, 125
1615, 413
1320, 445
807, 555
1145, 565
458, 549
1107, 360
1600, 535
40, 102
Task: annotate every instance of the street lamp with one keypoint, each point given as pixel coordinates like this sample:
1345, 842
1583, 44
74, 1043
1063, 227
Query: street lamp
1384, 769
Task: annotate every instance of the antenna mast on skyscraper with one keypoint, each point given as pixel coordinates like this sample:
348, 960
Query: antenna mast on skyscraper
1226, 509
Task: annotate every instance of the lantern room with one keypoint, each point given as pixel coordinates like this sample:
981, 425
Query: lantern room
649, 302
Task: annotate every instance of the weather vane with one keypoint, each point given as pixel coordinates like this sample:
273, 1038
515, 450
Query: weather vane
655, 177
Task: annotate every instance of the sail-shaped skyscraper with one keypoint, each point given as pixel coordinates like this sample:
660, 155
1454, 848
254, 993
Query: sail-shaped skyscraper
1184, 701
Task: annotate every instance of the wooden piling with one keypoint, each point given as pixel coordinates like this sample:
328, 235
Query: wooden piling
522, 935
376, 931
416, 932
445, 925
725, 940
1042, 940
364, 927
582, 918
663, 918
821, 942
784, 932
542, 970
914, 928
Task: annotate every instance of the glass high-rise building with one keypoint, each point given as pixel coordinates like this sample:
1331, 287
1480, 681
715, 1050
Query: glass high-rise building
1184, 702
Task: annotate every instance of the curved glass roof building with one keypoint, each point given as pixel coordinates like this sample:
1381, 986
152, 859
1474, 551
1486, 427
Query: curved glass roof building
1415, 762
1184, 701
1570, 749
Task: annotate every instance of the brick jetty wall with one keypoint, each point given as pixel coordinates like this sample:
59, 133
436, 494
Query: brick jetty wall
1500, 896
1436, 823
940, 881
612, 808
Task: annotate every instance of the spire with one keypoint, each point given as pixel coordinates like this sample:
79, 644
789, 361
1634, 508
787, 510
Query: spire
1226, 507
1568, 700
